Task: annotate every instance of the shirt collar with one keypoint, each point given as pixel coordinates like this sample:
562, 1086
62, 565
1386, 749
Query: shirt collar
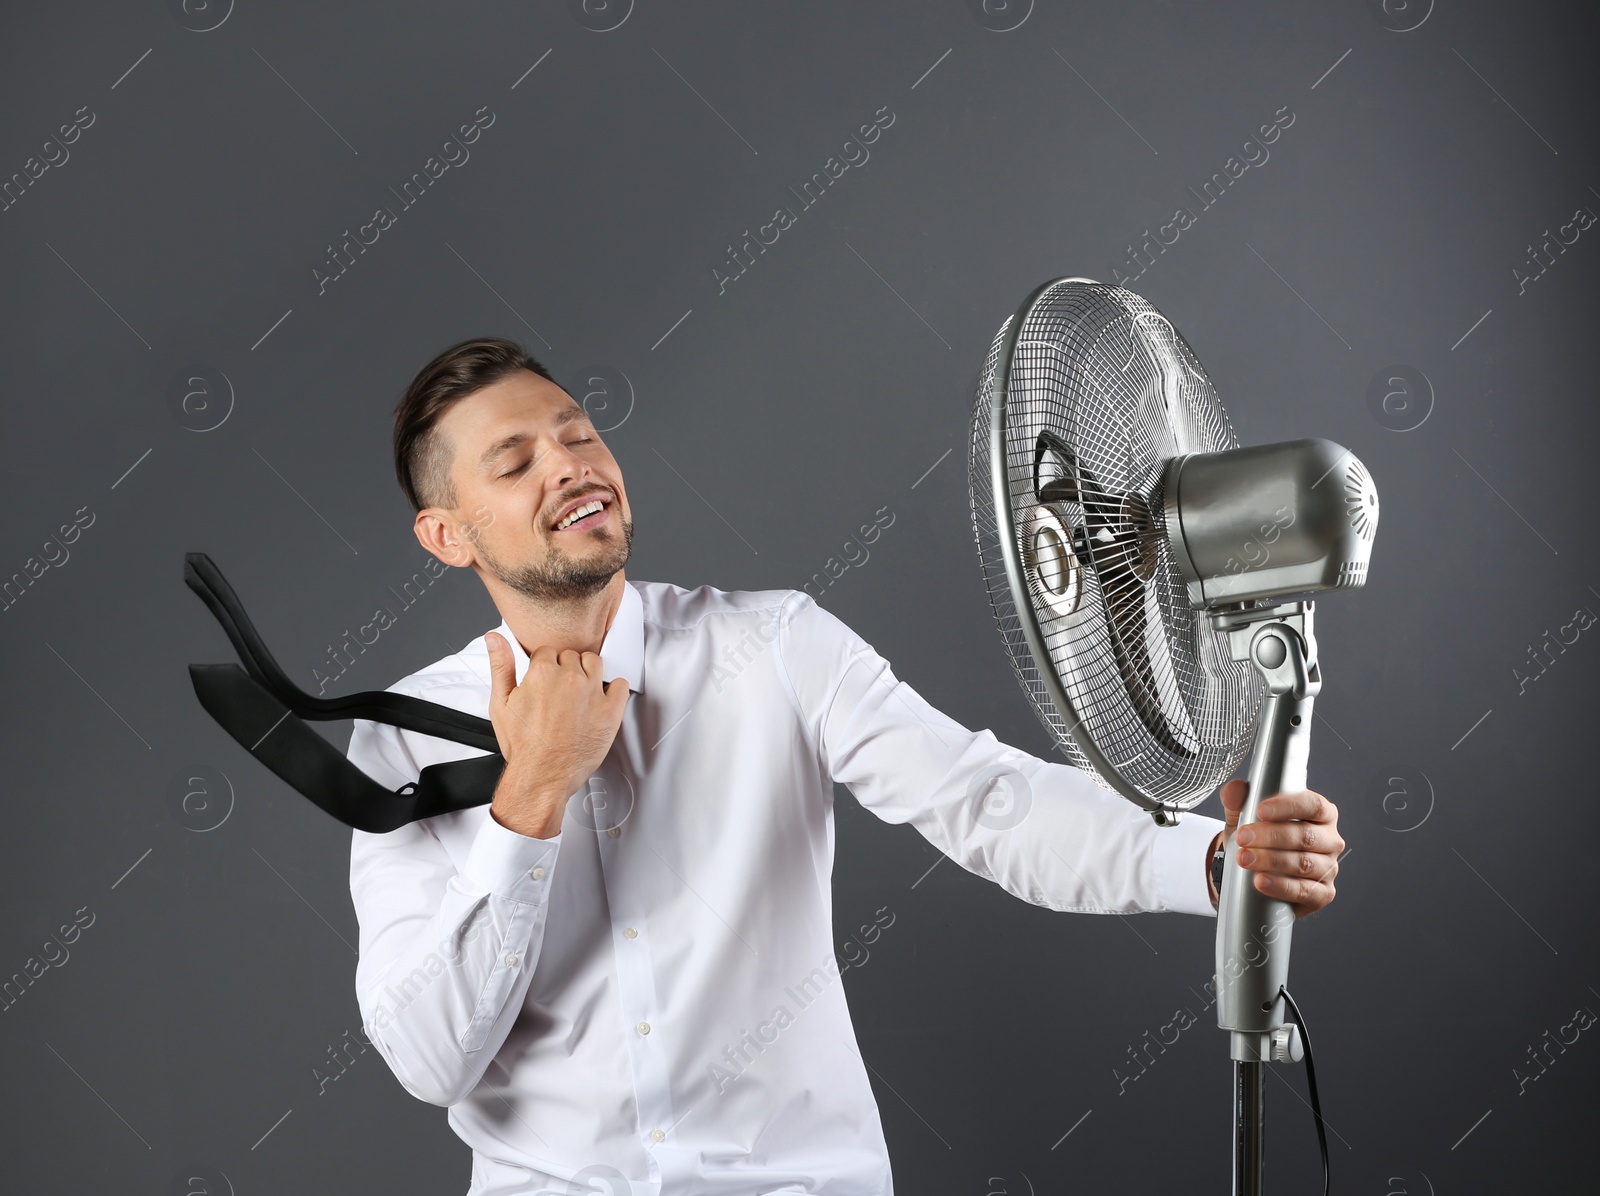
621, 653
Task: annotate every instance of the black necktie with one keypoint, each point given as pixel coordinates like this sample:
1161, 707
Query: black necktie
265, 712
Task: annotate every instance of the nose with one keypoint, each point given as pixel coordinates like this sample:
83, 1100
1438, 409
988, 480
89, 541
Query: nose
568, 468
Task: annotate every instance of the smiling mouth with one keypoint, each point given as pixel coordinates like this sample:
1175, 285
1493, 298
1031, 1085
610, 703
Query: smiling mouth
585, 515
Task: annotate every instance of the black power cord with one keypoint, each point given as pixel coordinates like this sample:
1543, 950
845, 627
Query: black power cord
1311, 1083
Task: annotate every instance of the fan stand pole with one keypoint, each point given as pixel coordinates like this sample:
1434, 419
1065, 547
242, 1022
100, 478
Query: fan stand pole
1253, 930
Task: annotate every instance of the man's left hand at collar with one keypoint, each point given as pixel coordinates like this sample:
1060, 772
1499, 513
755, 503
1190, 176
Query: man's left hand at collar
1293, 848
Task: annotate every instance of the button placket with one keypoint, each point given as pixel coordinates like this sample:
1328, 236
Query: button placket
648, 1053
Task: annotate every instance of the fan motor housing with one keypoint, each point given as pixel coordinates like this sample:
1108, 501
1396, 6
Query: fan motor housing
1269, 521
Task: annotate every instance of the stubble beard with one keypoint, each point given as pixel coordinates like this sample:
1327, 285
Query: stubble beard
561, 578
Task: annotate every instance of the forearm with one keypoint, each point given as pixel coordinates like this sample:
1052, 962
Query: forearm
1044, 831
1096, 852
439, 996
528, 803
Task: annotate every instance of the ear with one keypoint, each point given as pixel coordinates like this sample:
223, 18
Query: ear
440, 532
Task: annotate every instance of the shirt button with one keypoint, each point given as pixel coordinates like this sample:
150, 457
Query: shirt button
537, 873
613, 831
511, 960
658, 1135
628, 932
643, 1027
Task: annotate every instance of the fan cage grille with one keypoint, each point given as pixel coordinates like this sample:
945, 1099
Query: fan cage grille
1150, 687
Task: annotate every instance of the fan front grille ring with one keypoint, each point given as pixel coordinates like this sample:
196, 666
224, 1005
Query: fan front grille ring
1134, 684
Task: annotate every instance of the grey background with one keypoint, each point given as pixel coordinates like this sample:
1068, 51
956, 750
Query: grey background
834, 378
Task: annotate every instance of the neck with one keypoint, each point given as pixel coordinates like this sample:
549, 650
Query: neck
580, 624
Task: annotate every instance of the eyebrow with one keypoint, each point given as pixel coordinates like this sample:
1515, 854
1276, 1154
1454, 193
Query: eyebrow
565, 416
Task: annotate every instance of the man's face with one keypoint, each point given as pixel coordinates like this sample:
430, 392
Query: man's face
526, 459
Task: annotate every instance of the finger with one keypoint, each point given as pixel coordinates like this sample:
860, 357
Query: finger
1307, 804
616, 697
1291, 836
502, 669
569, 657
590, 661
1301, 865
1306, 896
1233, 795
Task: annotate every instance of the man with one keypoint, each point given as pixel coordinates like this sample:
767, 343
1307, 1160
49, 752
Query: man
619, 975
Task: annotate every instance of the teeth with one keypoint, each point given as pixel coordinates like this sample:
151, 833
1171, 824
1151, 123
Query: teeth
588, 508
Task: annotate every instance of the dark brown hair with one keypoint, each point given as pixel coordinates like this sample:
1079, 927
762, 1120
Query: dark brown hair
421, 456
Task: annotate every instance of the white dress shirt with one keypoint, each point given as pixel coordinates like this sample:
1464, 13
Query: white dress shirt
648, 1002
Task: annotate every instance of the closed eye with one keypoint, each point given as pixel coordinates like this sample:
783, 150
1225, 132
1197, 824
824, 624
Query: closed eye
514, 472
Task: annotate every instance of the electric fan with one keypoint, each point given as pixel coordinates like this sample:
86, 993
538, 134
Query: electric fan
1149, 579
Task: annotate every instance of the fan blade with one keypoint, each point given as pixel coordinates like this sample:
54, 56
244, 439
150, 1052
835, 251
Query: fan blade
1137, 687
1055, 475
1120, 554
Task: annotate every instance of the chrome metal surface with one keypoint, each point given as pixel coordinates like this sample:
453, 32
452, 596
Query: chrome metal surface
1254, 931
1086, 394
1264, 522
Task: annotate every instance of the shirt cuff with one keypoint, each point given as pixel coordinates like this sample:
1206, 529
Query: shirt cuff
1181, 857
510, 865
